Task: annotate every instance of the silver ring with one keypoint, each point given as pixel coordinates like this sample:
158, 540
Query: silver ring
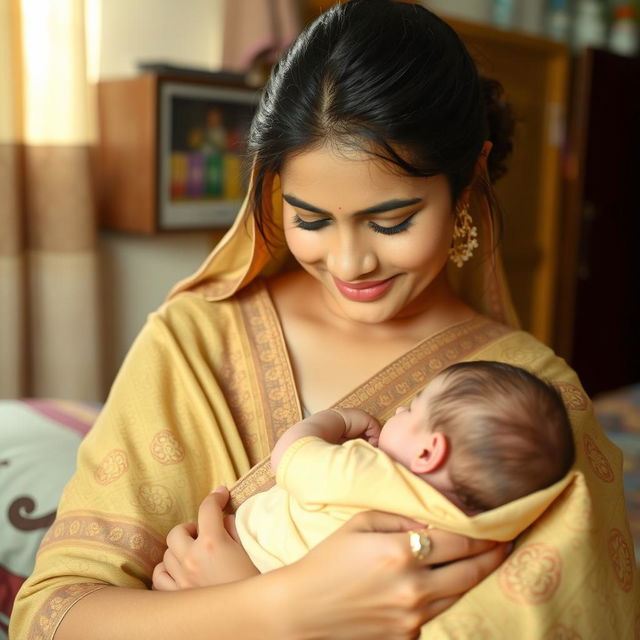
420, 544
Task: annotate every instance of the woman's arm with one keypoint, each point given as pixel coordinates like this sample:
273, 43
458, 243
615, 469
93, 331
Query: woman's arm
237, 610
361, 582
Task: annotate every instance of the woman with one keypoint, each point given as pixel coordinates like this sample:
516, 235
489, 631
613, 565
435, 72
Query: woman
372, 156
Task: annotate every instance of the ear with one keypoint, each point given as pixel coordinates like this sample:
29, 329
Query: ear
432, 455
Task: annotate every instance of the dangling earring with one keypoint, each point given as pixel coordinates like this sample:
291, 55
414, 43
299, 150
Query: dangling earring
465, 237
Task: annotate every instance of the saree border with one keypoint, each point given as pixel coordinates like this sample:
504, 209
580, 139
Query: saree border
48, 618
393, 385
412, 371
274, 375
94, 528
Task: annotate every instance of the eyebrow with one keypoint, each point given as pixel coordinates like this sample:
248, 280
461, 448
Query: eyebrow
389, 205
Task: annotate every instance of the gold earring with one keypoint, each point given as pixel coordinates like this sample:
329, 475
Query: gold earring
465, 237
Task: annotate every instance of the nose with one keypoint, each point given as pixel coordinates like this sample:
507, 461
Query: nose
400, 410
350, 257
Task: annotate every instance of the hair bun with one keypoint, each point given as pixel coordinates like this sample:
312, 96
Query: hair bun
501, 127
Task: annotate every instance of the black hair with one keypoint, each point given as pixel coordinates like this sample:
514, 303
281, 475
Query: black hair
386, 77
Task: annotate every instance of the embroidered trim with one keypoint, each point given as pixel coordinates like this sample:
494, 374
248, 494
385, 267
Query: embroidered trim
411, 372
139, 545
275, 377
259, 478
48, 617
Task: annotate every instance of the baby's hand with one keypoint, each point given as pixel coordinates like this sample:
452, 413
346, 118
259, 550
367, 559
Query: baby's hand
360, 424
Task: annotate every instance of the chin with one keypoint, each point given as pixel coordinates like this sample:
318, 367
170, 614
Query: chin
365, 312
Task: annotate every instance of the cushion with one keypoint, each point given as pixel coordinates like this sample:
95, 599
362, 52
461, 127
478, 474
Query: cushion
39, 439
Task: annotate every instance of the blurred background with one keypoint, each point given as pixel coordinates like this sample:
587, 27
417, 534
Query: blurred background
122, 126
121, 133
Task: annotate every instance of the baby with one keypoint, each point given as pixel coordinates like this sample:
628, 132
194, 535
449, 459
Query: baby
481, 433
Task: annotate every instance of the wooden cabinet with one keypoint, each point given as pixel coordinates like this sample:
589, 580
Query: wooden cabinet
534, 73
127, 171
152, 127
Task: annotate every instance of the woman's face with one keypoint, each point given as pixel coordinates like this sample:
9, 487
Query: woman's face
377, 241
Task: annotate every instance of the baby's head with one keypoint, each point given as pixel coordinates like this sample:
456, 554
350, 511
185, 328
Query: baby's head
484, 434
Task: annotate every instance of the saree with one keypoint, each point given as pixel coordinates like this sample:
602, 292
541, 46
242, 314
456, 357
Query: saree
208, 387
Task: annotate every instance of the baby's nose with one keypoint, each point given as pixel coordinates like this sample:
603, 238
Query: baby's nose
400, 410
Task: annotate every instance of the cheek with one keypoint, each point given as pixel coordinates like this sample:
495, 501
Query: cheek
427, 247
303, 245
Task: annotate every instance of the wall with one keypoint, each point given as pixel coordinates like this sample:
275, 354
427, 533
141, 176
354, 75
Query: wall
138, 271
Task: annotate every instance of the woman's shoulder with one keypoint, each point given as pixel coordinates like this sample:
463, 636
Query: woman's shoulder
520, 348
192, 305
189, 319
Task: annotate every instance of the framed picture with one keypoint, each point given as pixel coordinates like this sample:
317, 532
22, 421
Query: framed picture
171, 152
203, 165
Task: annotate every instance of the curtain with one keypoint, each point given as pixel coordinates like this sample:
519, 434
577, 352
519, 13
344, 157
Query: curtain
49, 320
257, 29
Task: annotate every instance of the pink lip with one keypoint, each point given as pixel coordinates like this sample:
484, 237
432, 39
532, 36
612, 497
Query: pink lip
363, 291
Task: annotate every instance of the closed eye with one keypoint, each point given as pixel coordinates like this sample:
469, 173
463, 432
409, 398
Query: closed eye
316, 225
313, 225
389, 231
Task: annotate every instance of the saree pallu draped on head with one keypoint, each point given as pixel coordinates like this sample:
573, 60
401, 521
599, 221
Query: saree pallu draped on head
208, 387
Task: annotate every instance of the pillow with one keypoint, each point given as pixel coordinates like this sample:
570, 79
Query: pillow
38, 444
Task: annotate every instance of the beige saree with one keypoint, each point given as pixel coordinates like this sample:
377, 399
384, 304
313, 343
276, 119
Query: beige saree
207, 388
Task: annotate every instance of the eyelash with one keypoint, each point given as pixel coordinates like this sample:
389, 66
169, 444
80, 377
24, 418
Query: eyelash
390, 231
316, 225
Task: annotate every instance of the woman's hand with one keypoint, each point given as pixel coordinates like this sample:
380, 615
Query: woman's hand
364, 582
205, 554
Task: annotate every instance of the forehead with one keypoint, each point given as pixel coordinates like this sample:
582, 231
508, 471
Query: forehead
349, 178
436, 386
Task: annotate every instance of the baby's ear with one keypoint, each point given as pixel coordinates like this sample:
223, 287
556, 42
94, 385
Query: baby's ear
432, 454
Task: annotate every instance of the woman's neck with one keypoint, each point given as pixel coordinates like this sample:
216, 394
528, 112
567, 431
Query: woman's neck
331, 355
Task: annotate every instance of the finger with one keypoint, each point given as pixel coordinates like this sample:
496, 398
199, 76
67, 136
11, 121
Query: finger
210, 515
180, 538
162, 581
382, 522
372, 434
172, 566
447, 546
222, 495
373, 440
230, 526
436, 607
457, 578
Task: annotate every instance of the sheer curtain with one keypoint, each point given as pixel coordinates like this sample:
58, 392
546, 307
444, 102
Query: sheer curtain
258, 29
49, 314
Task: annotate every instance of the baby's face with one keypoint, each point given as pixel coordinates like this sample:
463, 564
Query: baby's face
401, 436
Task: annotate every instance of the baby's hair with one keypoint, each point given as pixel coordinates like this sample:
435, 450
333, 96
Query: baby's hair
509, 431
